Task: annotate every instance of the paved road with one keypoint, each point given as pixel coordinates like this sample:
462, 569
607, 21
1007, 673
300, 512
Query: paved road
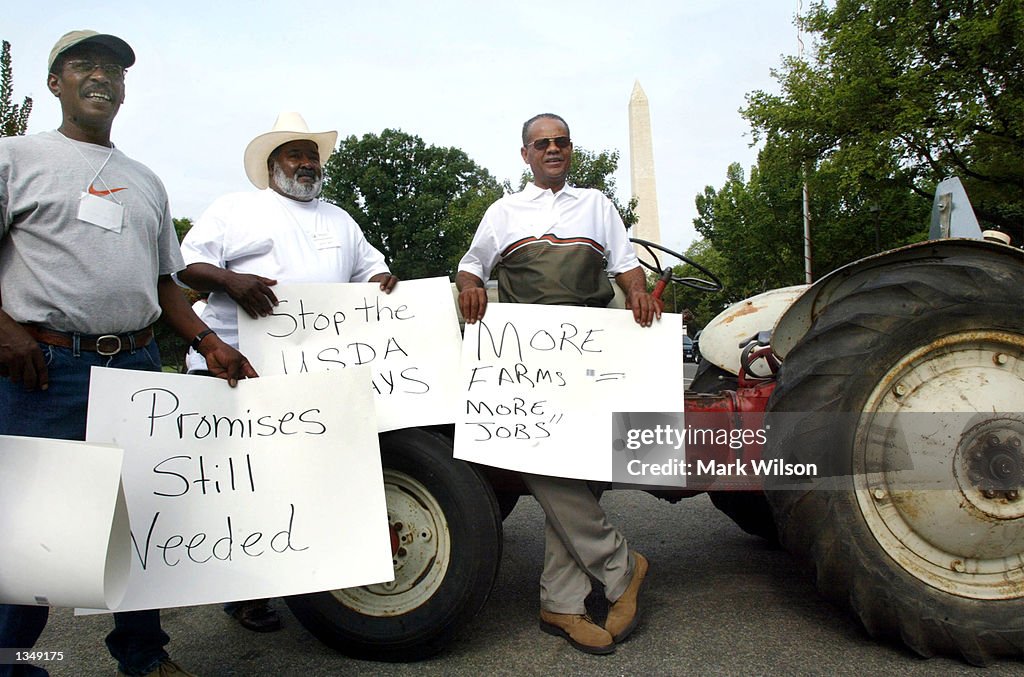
689, 369
718, 602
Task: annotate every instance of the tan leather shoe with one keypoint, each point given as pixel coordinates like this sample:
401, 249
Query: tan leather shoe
581, 632
625, 613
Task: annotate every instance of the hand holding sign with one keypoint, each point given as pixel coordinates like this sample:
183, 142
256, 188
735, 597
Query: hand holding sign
409, 339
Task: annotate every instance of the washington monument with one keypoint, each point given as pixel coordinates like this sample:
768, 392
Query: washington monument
641, 167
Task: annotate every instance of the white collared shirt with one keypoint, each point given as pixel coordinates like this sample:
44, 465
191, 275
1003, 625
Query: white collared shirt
566, 217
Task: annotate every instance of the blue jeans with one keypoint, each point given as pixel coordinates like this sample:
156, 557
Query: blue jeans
137, 640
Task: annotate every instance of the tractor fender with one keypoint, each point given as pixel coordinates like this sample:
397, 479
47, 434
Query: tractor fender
720, 340
801, 314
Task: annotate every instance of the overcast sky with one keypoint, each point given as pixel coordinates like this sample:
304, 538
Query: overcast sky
211, 76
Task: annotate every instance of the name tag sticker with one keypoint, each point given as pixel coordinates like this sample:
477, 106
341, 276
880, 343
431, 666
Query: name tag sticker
325, 240
106, 214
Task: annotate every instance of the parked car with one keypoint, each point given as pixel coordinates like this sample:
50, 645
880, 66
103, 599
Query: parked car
689, 354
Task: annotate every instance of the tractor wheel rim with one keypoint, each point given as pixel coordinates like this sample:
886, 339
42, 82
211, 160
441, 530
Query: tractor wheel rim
421, 558
937, 482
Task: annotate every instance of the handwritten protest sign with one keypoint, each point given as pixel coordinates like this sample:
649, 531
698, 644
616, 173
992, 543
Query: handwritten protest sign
271, 488
64, 523
540, 384
409, 338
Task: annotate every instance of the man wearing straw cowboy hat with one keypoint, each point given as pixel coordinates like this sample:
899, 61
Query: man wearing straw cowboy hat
245, 243
87, 249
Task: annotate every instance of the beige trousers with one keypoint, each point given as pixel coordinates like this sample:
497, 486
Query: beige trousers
579, 544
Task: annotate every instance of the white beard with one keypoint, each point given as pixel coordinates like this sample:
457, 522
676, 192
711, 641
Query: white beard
296, 189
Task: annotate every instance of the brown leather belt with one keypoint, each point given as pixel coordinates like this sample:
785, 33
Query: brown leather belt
107, 344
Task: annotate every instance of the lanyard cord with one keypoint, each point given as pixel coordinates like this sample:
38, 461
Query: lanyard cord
96, 175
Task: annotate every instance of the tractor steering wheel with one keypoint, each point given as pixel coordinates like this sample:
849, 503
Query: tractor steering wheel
711, 285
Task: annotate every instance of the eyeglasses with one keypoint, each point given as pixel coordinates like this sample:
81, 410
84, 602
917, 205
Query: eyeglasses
560, 141
114, 71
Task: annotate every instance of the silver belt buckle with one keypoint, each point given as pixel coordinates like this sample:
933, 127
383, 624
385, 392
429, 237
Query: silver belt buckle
108, 352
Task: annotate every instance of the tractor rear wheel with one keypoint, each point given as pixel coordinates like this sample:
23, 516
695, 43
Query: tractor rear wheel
906, 393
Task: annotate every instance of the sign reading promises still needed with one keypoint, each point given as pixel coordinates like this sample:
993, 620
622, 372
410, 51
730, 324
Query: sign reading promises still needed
408, 338
271, 488
540, 384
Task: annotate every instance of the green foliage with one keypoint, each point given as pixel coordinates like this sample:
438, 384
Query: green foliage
182, 226
757, 225
896, 96
703, 305
594, 170
909, 92
418, 204
172, 347
13, 118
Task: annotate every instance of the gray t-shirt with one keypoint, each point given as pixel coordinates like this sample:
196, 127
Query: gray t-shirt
59, 271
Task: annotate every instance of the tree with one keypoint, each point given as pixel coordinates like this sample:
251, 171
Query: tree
418, 204
594, 170
755, 228
13, 118
896, 96
756, 225
908, 93
182, 226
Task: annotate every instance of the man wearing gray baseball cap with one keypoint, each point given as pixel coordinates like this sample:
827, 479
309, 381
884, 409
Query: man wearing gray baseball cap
120, 48
87, 249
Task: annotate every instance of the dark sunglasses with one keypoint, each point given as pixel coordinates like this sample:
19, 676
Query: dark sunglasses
560, 141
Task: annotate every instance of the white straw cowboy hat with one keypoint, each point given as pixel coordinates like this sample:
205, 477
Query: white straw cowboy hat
288, 127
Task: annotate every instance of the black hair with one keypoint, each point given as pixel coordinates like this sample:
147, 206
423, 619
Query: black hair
272, 156
550, 116
58, 62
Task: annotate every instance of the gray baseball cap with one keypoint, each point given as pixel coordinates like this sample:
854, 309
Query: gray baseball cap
111, 42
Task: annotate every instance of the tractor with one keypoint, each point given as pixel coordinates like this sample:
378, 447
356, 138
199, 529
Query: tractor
899, 377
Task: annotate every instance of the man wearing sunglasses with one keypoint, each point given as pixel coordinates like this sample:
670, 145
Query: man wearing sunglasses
87, 249
556, 244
